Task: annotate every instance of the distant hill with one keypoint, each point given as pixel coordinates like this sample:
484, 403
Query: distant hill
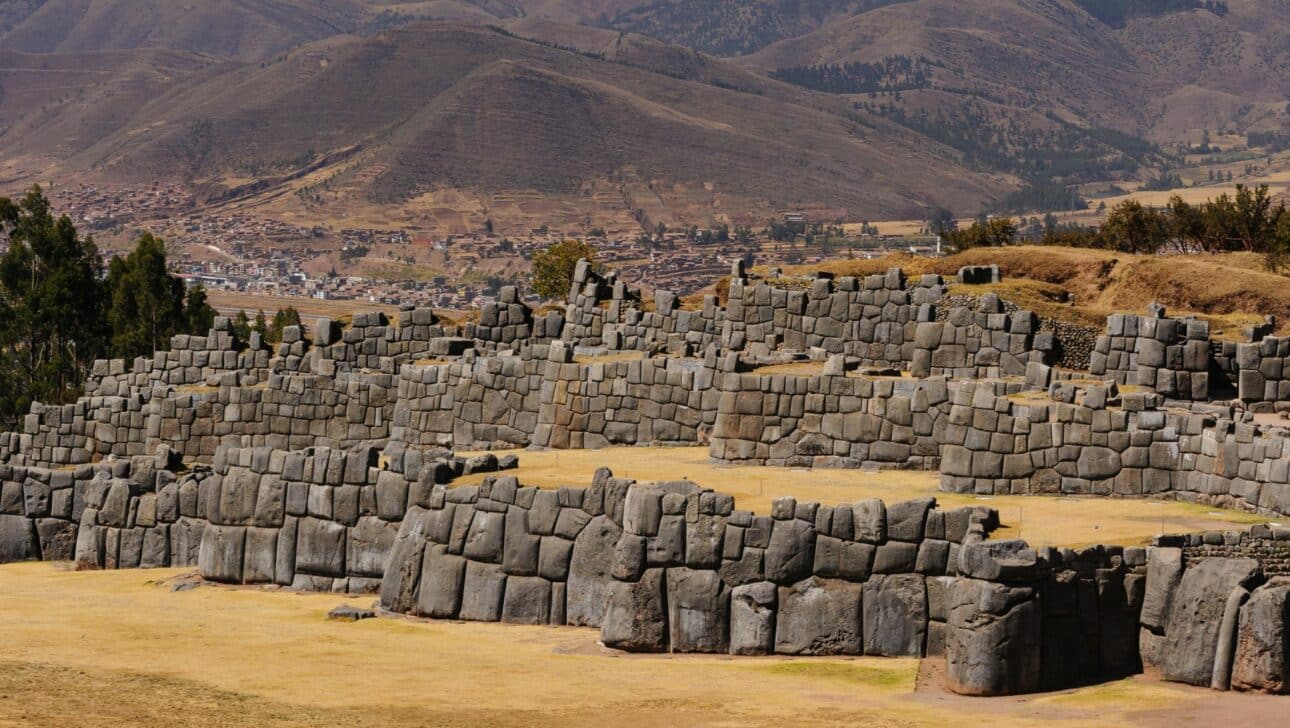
849, 107
1144, 72
429, 106
243, 29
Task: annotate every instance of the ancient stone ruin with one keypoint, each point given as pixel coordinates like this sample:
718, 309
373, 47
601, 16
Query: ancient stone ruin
329, 465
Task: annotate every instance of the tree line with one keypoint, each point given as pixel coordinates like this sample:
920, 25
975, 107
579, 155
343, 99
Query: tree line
61, 308
1118, 12
1247, 221
891, 74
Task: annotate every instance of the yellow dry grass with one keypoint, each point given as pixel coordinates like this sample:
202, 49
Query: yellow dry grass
228, 302
1041, 520
119, 648
1229, 290
612, 356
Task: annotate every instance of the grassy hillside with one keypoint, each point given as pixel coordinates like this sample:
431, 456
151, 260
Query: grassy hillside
229, 28
1151, 69
1084, 286
408, 111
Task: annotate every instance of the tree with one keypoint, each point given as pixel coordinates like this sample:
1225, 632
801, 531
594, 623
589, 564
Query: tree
147, 303
1133, 228
1278, 252
285, 317
260, 326
940, 221
553, 267
990, 233
242, 326
197, 311
51, 306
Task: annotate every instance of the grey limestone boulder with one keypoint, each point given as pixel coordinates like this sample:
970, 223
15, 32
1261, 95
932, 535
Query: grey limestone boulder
18, 539
402, 572
439, 592
220, 555
1098, 463
590, 567
869, 521
905, 520
1010, 561
992, 641
791, 554
1195, 617
819, 617
752, 618
1164, 571
635, 617
1263, 641
320, 547
482, 592
527, 600
895, 616
698, 606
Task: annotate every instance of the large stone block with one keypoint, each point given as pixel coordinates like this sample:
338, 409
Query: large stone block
869, 521
369, 546
482, 592
485, 538
320, 547
439, 593
1263, 641
819, 617
992, 644
402, 572
635, 615
221, 553
1195, 617
1097, 463
698, 611
791, 554
905, 520
895, 616
1164, 571
527, 600
752, 618
589, 584
261, 556
18, 540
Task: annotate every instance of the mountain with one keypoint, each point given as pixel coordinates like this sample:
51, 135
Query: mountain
241, 29
1139, 72
659, 109
429, 106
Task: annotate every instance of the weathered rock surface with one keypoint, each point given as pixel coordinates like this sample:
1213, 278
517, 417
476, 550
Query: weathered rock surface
1195, 617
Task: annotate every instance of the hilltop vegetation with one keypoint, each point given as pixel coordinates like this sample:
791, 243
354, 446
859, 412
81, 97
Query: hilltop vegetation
59, 310
1083, 285
847, 108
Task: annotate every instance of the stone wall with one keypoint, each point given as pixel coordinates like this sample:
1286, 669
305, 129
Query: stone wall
641, 401
478, 402
673, 567
318, 519
693, 574
1094, 440
503, 552
1212, 617
985, 343
39, 511
1262, 371
1170, 356
831, 420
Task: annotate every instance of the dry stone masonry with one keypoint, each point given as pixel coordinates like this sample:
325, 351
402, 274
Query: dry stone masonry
327, 465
